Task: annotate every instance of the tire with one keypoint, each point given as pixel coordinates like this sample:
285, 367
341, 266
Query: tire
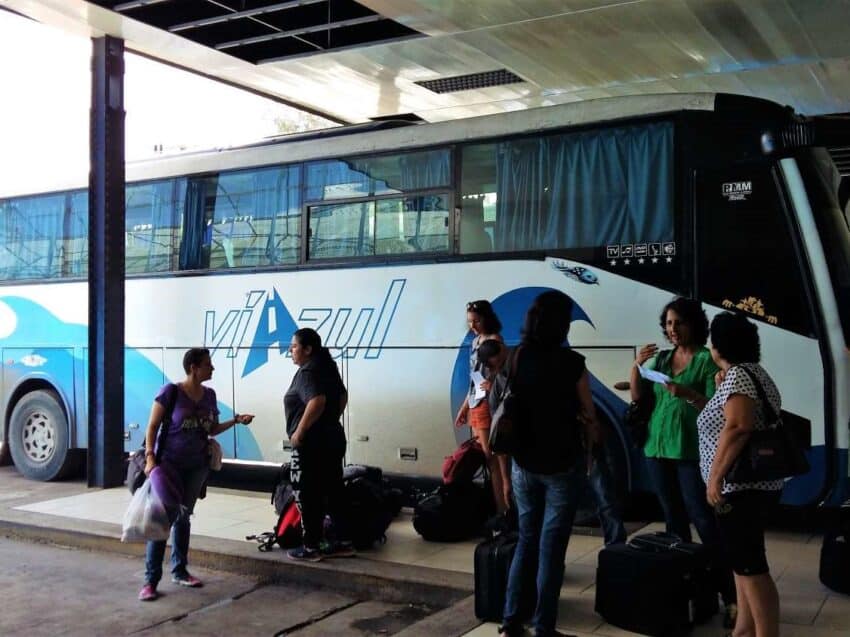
38, 437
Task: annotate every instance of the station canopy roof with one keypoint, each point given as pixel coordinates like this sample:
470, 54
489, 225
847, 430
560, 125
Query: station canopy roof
444, 59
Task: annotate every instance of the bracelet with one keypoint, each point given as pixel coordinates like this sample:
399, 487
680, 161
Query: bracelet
235, 419
149, 453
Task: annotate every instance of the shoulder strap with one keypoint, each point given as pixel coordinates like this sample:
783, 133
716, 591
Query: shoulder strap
165, 425
663, 358
769, 411
513, 363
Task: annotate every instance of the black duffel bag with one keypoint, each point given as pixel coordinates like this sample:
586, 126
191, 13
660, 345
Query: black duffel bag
453, 512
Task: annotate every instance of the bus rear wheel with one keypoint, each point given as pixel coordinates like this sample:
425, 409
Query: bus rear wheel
38, 437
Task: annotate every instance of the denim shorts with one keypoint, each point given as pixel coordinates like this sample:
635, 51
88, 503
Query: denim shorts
741, 521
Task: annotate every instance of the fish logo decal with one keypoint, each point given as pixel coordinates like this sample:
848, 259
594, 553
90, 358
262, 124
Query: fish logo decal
576, 272
33, 360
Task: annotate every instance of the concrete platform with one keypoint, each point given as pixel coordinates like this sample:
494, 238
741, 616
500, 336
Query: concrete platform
404, 568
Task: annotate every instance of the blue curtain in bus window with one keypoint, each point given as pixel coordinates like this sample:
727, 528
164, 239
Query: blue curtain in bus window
380, 175
279, 201
194, 246
587, 189
429, 169
32, 237
249, 207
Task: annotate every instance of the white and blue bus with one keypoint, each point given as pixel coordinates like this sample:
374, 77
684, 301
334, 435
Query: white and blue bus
377, 236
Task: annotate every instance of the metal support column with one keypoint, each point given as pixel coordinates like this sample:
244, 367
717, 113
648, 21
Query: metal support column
106, 266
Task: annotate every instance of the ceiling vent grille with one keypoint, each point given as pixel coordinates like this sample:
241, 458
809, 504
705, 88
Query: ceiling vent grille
471, 82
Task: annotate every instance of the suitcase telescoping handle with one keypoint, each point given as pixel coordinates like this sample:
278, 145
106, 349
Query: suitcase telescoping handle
656, 542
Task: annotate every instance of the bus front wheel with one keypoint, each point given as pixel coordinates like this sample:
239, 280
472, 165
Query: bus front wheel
38, 437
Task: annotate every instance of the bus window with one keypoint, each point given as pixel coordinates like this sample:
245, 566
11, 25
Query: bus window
342, 230
256, 218
412, 224
380, 227
578, 191
153, 222
746, 257
379, 175
75, 235
31, 232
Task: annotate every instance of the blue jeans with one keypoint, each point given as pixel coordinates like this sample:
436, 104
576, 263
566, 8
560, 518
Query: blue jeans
193, 480
546, 505
608, 508
680, 490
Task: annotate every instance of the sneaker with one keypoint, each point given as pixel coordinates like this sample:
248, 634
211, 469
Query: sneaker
148, 593
338, 549
730, 615
304, 554
187, 580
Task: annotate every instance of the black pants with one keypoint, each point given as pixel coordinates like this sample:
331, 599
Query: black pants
681, 493
316, 469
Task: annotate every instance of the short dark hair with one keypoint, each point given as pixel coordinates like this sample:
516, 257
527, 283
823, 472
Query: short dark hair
735, 338
194, 356
490, 323
692, 315
547, 321
488, 349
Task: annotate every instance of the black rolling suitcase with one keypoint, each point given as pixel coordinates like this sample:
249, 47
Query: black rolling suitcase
834, 569
492, 563
656, 585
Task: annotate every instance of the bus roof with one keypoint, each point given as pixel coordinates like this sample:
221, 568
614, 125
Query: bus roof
385, 136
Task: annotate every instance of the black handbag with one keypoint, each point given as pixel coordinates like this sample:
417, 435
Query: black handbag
639, 411
503, 424
772, 453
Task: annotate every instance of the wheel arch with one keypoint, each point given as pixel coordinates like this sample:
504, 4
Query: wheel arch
31, 384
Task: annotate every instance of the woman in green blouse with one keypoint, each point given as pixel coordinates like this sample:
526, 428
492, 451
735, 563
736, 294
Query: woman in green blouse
672, 448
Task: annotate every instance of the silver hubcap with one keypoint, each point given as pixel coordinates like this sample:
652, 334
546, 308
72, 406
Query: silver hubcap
39, 437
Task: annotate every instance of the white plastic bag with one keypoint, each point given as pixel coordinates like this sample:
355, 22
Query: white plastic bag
146, 517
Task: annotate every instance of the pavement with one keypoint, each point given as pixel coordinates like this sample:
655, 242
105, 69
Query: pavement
404, 573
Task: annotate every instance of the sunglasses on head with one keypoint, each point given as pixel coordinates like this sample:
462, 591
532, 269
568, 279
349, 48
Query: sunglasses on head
474, 305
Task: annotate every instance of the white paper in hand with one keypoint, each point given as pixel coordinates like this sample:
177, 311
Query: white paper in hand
477, 379
654, 376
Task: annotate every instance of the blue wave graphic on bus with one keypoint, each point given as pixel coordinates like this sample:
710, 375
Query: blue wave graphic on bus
60, 355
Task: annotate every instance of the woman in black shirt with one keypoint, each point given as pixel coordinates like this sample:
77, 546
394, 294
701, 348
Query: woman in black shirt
552, 388
313, 404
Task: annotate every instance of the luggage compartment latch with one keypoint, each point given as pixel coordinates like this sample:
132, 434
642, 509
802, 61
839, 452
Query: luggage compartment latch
408, 453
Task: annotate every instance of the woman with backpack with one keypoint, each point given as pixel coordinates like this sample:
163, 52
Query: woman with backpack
552, 387
475, 410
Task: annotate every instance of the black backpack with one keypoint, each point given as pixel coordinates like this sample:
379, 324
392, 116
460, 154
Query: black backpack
453, 512
369, 511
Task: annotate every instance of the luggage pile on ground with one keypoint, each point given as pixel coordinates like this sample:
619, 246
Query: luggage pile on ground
372, 506
458, 508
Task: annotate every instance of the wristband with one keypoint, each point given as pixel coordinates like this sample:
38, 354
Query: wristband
149, 453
